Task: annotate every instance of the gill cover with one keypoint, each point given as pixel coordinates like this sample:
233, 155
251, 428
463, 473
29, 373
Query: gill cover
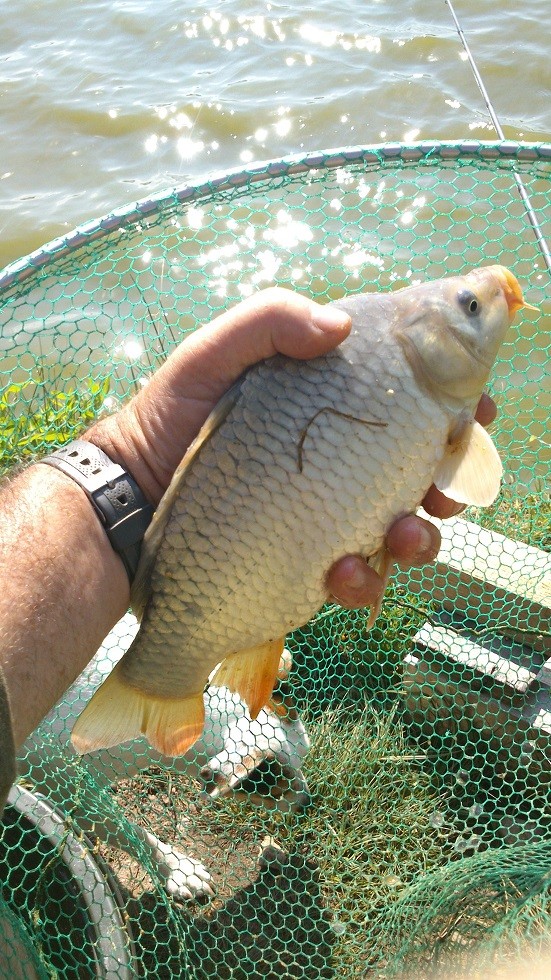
451, 343
453, 337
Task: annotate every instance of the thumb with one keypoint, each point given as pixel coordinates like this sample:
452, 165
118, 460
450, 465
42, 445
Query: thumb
270, 322
152, 432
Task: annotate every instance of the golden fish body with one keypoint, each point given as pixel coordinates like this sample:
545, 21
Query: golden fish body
300, 463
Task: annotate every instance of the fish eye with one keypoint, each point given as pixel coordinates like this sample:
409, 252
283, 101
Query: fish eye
468, 302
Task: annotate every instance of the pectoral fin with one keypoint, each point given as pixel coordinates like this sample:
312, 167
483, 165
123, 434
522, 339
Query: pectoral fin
118, 712
251, 673
471, 469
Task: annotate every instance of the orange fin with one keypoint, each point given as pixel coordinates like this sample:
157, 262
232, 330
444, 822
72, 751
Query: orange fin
118, 712
382, 562
470, 471
251, 673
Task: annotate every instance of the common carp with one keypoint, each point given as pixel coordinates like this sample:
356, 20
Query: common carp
300, 463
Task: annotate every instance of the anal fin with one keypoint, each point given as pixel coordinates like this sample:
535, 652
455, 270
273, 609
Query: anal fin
251, 673
118, 712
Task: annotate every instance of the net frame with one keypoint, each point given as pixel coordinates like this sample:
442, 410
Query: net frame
425, 151
450, 702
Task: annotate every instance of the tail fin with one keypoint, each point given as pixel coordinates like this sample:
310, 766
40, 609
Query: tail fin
118, 712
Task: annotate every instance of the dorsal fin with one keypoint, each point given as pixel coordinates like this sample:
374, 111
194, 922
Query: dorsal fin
141, 587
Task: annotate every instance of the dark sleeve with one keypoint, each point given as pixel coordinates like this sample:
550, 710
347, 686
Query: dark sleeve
7, 747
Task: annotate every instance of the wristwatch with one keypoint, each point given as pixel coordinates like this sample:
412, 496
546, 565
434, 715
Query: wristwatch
115, 496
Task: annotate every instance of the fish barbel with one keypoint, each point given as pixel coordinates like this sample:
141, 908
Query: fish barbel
300, 463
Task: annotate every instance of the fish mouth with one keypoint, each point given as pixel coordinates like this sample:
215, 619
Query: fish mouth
511, 289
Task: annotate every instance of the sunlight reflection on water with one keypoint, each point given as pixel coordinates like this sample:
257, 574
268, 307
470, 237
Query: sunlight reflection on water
132, 97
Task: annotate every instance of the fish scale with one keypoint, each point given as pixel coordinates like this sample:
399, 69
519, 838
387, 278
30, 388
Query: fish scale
292, 588
301, 463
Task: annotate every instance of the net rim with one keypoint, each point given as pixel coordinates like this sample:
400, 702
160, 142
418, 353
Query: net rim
266, 171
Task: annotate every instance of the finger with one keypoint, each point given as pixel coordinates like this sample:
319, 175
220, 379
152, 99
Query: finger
486, 410
413, 541
353, 583
273, 321
162, 419
438, 505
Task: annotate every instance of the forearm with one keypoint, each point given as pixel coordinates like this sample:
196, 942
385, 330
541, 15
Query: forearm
62, 588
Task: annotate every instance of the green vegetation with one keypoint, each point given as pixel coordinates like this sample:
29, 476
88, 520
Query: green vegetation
522, 518
373, 832
329, 870
338, 661
34, 419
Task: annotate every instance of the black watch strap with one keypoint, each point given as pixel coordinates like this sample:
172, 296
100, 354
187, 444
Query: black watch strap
116, 497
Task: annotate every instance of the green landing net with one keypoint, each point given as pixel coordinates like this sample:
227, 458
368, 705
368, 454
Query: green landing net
424, 847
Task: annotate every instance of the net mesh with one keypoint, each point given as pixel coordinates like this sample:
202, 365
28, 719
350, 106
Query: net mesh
412, 838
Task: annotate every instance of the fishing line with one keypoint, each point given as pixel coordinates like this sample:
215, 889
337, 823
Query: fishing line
497, 126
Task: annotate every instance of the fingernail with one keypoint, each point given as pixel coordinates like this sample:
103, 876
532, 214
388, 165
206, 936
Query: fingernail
357, 579
427, 545
329, 318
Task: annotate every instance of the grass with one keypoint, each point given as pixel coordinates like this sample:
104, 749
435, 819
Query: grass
369, 827
35, 419
375, 825
368, 833
523, 518
362, 877
338, 662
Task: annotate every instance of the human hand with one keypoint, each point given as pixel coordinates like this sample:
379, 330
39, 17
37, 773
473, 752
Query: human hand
151, 433
410, 541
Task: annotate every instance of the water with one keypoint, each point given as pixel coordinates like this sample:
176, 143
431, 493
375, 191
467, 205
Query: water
107, 103
104, 103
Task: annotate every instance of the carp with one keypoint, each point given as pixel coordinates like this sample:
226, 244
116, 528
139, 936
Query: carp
300, 463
